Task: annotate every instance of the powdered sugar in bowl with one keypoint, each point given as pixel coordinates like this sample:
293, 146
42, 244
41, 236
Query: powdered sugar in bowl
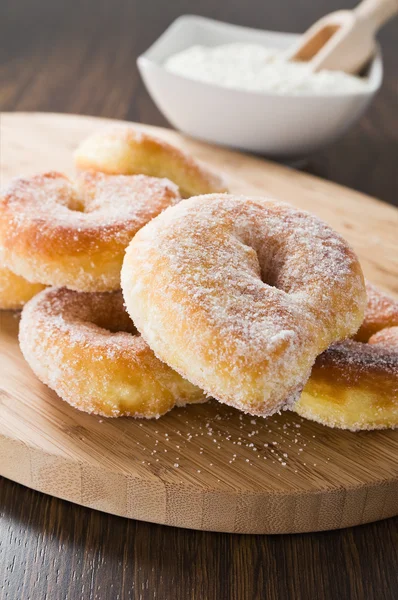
275, 109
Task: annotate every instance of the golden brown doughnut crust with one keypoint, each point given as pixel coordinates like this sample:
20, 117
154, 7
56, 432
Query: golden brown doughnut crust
381, 311
354, 385
85, 347
240, 295
127, 150
387, 337
58, 232
15, 291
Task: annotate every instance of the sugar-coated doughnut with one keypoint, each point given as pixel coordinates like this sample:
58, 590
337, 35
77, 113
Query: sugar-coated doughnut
354, 384
85, 347
239, 295
58, 232
15, 290
127, 150
381, 312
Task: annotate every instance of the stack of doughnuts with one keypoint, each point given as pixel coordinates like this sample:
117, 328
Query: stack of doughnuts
72, 235
161, 289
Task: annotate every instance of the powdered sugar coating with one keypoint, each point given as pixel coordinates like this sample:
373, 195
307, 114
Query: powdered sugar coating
354, 384
381, 312
386, 338
59, 232
85, 347
252, 290
127, 150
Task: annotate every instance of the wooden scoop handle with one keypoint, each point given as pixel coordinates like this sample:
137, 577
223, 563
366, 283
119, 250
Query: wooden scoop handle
376, 12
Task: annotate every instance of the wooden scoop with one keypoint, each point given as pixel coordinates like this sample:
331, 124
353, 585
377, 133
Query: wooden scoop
344, 40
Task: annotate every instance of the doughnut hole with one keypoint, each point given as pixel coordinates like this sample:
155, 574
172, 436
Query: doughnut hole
104, 311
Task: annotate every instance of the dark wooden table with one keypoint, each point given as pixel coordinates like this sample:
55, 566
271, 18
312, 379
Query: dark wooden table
79, 56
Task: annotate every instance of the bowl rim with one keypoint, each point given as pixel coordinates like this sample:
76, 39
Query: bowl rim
145, 60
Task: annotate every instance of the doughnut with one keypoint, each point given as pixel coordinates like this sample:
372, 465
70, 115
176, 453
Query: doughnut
354, 384
15, 290
387, 337
127, 151
381, 312
63, 233
252, 290
85, 348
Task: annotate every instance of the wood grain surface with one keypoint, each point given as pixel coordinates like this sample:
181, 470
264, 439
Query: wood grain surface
207, 466
79, 56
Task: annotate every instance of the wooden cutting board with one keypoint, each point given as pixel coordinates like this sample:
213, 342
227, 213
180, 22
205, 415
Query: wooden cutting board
204, 467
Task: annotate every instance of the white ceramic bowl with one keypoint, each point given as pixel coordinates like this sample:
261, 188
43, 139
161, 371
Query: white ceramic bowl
267, 123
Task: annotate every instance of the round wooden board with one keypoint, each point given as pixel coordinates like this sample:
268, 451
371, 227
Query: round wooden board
204, 467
